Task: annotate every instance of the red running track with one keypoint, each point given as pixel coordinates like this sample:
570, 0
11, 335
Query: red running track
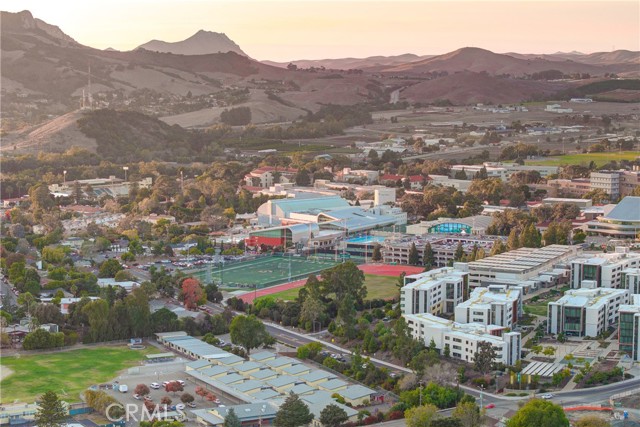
375, 269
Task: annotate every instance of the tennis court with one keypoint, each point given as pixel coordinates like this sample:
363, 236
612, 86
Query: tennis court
264, 272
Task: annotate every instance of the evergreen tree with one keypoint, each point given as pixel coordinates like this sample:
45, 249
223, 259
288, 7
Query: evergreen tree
377, 253
51, 412
530, 237
428, 259
413, 255
333, 416
498, 248
513, 242
293, 413
232, 420
457, 256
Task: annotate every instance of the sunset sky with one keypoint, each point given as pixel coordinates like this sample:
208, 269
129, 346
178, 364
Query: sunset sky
315, 29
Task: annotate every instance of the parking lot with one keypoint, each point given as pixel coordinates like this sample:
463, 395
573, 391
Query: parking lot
159, 373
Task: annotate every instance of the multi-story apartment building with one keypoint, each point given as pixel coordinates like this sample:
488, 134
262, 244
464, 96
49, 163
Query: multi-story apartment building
630, 280
462, 340
267, 176
499, 305
602, 270
586, 312
528, 267
629, 329
436, 291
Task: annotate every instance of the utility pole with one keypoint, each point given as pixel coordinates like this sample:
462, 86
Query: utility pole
420, 395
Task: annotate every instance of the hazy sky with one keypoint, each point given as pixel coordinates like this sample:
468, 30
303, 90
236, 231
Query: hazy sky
314, 29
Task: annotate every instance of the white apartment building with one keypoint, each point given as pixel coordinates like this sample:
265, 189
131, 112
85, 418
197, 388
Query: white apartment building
602, 270
435, 292
608, 181
586, 312
384, 196
630, 280
471, 171
629, 329
499, 305
462, 339
527, 267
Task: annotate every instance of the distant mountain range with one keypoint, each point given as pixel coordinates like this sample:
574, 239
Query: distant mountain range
39, 59
201, 43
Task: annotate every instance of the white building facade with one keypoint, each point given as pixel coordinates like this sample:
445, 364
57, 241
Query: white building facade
499, 305
586, 312
435, 292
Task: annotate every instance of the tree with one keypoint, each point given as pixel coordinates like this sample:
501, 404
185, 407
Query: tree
110, 268
421, 416
591, 421
192, 293
173, 387
142, 390
459, 253
344, 279
333, 416
513, 241
497, 248
293, 413
469, 414
428, 259
247, 331
413, 255
51, 411
232, 420
537, 413
377, 253
530, 237
484, 357
311, 310
347, 317
202, 392
166, 400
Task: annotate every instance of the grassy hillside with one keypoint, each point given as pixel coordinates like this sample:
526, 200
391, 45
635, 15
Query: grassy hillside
129, 136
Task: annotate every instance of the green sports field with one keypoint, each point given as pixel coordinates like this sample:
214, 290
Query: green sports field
577, 159
382, 287
263, 272
67, 373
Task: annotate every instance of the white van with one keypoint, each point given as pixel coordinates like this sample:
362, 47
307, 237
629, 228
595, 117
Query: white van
122, 388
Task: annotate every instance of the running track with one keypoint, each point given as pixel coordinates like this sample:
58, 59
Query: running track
375, 269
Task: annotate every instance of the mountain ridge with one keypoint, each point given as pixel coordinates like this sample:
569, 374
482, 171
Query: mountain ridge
201, 43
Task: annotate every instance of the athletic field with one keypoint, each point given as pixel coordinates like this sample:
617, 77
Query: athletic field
263, 272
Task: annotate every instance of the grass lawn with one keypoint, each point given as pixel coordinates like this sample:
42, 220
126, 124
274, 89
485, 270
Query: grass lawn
538, 309
383, 287
67, 373
576, 159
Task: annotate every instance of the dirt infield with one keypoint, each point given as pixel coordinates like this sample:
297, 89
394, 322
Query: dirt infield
375, 269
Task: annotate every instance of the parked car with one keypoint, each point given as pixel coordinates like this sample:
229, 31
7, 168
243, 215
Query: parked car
191, 405
182, 383
122, 388
180, 406
164, 383
137, 397
155, 386
490, 406
547, 396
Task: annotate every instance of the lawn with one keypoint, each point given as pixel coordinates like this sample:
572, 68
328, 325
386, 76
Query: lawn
537, 309
577, 159
67, 373
383, 287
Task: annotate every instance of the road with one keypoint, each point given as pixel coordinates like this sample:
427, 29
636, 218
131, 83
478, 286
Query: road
5, 289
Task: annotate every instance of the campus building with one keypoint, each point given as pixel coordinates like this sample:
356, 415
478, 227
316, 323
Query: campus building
266, 379
435, 292
602, 270
629, 329
623, 220
266, 176
586, 312
444, 247
499, 305
477, 224
525, 267
461, 340
112, 186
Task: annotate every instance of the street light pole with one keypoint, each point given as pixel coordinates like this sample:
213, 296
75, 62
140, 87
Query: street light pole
64, 177
125, 169
481, 390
